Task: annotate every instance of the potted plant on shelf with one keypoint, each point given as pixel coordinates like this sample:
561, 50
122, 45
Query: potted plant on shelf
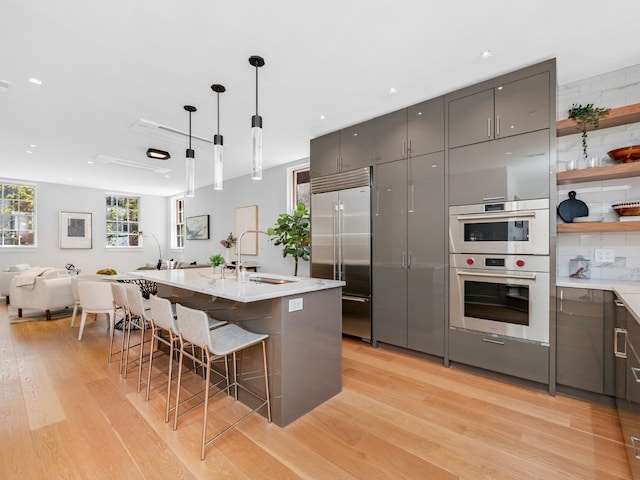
293, 232
586, 116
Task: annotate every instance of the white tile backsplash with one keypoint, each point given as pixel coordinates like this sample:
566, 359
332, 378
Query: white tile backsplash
613, 89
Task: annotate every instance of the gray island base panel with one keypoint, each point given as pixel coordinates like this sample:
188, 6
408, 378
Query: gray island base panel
304, 349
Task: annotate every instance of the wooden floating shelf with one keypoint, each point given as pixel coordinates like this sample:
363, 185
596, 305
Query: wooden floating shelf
616, 117
594, 227
609, 172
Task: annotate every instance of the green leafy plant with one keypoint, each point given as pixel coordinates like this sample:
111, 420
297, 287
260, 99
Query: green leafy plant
293, 232
216, 260
586, 116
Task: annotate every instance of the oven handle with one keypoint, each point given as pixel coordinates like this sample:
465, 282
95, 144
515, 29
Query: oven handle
496, 275
492, 216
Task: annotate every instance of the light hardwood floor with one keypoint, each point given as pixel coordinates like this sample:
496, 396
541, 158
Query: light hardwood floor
65, 413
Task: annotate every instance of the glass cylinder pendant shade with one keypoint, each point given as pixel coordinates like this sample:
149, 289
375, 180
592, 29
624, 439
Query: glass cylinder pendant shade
217, 162
256, 134
191, 173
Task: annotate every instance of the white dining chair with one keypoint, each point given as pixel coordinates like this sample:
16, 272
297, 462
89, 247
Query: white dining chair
96, 298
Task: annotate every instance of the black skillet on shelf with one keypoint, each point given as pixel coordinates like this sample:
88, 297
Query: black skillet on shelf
572, 208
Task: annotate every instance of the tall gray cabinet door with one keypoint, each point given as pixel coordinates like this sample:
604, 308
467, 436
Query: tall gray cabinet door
389, 257
426, 273
324, 154
580, 339
522, 106
391, 136
357, 146
471, 119
426, 127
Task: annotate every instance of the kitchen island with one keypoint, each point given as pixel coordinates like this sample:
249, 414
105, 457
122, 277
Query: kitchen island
303, 317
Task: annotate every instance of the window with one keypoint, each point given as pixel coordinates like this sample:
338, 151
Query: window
299, 186
178, 223
17, 214
123, 216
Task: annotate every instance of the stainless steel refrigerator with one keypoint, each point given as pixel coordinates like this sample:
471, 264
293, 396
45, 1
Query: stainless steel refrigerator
341, 242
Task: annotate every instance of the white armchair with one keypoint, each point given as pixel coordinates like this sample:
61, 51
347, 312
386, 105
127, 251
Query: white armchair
49, 291
7, 274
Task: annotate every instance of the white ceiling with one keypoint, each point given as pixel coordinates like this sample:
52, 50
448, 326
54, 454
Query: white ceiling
106, 64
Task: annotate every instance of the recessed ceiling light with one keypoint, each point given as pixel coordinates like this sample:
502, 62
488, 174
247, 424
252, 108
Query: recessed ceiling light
90, 161
35, 81
393, 90
32, 145
322, 117
486, 54
29, 151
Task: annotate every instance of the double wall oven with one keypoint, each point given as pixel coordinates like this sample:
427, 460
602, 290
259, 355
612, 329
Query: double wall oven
499, 260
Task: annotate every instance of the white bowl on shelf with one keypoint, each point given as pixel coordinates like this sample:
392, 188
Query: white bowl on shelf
587, 219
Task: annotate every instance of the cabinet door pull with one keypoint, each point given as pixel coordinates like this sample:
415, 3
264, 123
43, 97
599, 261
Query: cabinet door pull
561, 298
616, 352
618, 303
409, 259
488, 127
497, 125
409, 151
404, 148
634, 444
635, 371
403, 259
490, 340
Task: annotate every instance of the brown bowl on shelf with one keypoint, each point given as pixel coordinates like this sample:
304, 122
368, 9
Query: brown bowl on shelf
627, 209
625, 154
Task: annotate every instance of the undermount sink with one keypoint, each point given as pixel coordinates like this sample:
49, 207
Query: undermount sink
275, 281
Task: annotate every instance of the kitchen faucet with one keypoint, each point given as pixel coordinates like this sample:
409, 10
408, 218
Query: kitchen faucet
239, 258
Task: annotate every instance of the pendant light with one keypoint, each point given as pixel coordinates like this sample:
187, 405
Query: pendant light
256, 127
191, 159
217, 144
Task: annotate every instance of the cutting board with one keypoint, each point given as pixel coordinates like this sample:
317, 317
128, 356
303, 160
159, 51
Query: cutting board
572, 208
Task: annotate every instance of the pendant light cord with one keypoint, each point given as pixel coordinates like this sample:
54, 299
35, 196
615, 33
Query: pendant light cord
189, 130
256, 90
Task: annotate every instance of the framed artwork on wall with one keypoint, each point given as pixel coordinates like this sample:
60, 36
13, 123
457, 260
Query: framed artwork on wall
197, 227
247, 219
75, 230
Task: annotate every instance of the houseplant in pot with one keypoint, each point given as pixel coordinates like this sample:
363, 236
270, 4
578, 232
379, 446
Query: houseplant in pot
217, 261
586, 116
293, 232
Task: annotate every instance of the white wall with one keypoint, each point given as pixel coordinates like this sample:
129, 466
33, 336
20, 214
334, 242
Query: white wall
610, 90
51, 198
270, 194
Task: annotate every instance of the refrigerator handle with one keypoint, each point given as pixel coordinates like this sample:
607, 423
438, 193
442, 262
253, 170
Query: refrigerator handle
336, 239
340, 230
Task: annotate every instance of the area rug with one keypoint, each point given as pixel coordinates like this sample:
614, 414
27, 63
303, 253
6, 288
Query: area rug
29, 315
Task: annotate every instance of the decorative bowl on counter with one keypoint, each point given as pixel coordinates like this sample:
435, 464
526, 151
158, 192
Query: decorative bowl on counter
626, 209
625, 154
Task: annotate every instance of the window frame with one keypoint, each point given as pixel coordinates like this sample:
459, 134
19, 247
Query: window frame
133, 231
292, 174
32, 214
177, 221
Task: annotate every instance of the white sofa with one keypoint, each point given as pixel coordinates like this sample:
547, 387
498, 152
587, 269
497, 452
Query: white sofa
50, 290
7, 274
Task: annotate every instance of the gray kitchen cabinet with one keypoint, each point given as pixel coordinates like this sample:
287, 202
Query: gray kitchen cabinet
410, 132
512, 168
409, 253
627, 337
347, 149
511, 108
500, 354
584, 340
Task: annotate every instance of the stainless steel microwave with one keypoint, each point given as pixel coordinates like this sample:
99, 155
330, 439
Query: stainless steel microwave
517, 227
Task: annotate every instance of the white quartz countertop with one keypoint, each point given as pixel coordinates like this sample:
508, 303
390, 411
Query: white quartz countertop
627, 292
203, 280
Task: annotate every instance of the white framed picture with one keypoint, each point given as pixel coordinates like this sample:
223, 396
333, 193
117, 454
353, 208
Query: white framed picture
75, 230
